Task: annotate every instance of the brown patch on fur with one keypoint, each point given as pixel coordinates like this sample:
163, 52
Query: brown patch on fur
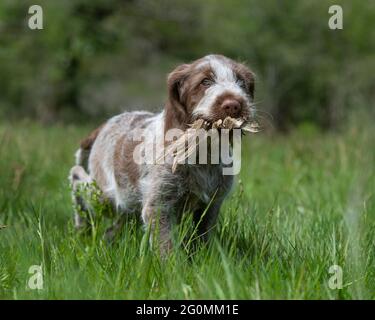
87, 143
123, 162
175, 110
185, 91
247, 76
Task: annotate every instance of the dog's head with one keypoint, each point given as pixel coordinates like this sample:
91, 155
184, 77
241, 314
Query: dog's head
211, 88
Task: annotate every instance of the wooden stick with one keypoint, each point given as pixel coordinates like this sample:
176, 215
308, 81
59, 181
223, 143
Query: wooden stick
185, 145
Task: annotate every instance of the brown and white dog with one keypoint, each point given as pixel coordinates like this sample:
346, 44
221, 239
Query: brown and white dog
210, 88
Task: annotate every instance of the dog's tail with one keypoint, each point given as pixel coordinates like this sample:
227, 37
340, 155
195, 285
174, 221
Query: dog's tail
83, 153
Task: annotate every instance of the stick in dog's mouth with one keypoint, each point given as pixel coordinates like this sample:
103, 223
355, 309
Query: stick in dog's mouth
186, 144
230, 123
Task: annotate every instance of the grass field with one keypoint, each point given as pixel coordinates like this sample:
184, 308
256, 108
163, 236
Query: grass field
305, 202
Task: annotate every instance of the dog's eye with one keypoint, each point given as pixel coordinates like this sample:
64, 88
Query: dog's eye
241, 83
206, 82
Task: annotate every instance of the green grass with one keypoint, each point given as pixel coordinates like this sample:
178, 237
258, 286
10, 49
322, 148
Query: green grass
305, 201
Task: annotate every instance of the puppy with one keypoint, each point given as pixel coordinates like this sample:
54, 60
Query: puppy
211, 88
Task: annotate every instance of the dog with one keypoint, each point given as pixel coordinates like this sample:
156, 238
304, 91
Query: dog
210, 88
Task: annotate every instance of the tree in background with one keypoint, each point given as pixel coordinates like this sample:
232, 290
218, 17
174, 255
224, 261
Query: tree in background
94, 58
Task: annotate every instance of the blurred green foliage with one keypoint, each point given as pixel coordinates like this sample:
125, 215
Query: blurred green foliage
97, 57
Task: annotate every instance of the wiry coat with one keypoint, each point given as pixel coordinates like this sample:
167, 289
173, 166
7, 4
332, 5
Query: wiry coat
106, 156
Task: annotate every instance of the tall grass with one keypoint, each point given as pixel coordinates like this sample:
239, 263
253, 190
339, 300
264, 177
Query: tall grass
303, 202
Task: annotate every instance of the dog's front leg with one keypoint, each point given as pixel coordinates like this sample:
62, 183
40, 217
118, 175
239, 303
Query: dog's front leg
156, 217
207, 218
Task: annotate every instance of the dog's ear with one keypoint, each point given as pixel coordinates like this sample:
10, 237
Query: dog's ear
175, 109
248, 76
250, 79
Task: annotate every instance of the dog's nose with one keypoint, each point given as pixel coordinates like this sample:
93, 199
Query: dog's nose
232, 108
